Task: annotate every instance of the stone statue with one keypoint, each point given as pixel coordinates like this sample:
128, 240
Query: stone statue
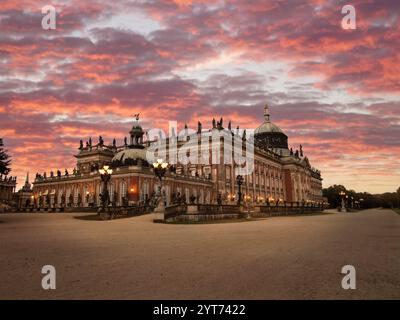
199, 127
114, 143
301, 150
291, 151
213, 123
80, 145
230, 126
58, 173
90, 141
66, 172
101, 141
125, 141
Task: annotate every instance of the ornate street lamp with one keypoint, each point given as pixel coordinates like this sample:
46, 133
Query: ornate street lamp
160, 168
105, 175
342, 195
239, 181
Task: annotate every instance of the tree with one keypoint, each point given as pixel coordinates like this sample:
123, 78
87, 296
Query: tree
365, 199
333, 195
5, 160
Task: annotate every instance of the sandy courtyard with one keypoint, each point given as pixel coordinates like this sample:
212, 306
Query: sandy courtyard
276, 258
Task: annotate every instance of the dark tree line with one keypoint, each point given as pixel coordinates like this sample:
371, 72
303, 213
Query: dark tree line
365, 199
5, 160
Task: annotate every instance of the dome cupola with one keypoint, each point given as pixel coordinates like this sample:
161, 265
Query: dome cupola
136, 134
269, 135
135, 152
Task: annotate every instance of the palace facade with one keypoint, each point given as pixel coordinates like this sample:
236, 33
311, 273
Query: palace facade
279, 175
7, 188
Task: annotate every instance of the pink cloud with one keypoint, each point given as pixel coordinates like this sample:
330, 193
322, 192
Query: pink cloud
52, 83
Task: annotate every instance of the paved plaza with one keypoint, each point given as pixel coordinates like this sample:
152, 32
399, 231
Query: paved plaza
277, 258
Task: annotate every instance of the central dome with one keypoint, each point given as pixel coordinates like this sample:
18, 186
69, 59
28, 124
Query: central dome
130, 154
268, 127
269, 135
135, 152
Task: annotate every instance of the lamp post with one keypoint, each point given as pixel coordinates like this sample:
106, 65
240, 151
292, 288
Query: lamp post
343, 205
361, 203
105, 175
160, 168
239, 181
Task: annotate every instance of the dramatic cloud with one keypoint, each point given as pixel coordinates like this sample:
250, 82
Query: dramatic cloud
334, 91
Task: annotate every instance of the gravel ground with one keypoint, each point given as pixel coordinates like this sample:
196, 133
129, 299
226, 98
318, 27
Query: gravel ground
277, 258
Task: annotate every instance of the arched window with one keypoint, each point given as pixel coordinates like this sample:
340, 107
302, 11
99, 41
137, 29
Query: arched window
59, 195
111, 190
85, 193
67, 194
123, 189
76, 193
144, 190
187, 195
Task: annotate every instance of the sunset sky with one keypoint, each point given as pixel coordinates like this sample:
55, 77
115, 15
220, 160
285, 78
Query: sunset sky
334, 91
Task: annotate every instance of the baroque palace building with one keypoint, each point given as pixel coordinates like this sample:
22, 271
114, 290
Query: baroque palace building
280, 175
